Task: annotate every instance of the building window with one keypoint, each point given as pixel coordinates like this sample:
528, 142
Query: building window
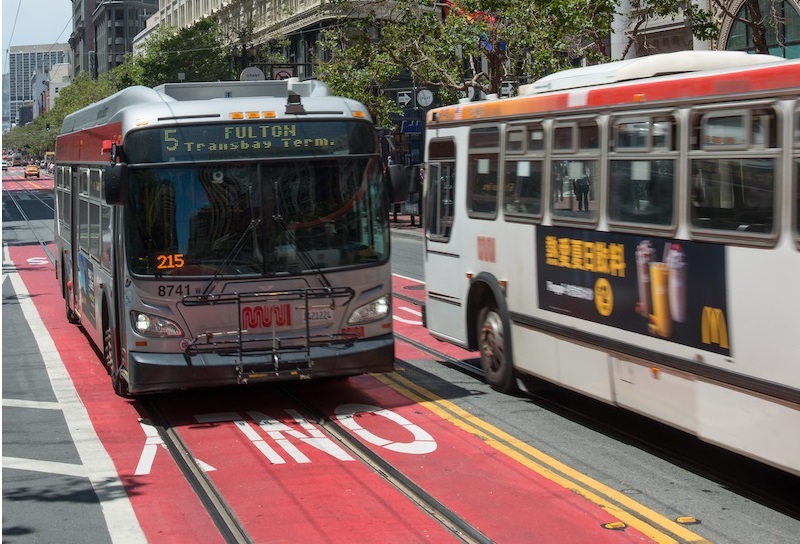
783, 29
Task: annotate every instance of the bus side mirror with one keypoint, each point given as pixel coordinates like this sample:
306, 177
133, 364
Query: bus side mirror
115, 183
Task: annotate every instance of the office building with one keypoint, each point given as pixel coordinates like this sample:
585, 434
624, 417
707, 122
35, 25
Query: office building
25, 61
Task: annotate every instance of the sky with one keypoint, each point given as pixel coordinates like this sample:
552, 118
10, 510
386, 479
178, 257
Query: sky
37, 22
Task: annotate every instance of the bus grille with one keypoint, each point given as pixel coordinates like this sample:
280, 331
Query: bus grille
269, 340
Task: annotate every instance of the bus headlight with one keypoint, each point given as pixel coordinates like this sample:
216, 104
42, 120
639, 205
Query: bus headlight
375, 310
152, 325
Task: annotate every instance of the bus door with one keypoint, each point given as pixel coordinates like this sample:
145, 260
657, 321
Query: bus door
445, 282
70, 216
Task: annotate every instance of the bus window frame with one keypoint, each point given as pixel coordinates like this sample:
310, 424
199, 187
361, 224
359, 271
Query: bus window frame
429, 206
712, 147
649, 153
698, 150
794, 167
576, 153
484, 153
527, 129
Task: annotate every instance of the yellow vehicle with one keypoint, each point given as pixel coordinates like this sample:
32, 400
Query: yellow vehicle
32, 170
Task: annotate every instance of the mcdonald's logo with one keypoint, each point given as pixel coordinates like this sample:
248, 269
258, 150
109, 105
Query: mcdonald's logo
714, 328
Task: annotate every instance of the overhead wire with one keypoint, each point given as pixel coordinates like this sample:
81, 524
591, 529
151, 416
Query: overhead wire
14, 27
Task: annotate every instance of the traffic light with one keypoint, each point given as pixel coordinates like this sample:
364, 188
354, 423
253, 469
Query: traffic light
47, 127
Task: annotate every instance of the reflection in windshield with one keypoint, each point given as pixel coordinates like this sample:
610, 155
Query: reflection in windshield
271, 218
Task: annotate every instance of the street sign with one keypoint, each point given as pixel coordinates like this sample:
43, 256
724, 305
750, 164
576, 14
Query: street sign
252, 73
403, 97
282, 73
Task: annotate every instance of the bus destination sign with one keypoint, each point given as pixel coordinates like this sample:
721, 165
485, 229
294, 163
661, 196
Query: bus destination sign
248, 140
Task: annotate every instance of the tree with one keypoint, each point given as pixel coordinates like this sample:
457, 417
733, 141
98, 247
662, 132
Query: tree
197, 52
81, 92
460, 48
759, 21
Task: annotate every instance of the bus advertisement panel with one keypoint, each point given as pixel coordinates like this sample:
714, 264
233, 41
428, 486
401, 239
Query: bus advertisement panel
672, 289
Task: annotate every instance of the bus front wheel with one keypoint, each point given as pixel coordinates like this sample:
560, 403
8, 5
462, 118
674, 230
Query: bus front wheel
112, 363
496, 364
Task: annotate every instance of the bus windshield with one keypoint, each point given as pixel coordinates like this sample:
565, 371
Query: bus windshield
269, 218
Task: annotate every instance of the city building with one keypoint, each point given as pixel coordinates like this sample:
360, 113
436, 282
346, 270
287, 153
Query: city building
59, 77
23, 63
115, 23
6, 104
81, 41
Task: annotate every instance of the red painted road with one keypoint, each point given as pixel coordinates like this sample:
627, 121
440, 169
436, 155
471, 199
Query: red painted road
15, 180
287, 482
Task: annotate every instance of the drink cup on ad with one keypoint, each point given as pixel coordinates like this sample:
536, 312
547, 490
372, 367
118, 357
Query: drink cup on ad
645, 253
676, 261
661, 322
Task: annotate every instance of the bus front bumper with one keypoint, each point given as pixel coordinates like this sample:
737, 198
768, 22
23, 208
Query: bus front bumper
155, 372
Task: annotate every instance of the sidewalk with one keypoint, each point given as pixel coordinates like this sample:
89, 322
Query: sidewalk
406, 225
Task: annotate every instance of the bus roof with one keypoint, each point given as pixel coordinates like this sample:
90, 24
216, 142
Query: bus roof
203, 90
112, 107
644, 67
758, 75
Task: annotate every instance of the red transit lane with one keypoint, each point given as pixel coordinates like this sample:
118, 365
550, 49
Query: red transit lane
285, 479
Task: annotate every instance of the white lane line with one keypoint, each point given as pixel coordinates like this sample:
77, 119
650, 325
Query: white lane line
408, 321
38, 404
117, 509
50, 467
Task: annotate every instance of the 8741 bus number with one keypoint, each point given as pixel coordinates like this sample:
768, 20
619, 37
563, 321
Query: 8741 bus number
171, 289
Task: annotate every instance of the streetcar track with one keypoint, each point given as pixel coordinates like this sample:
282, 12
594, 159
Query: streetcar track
229, 526
445, 516
17, 203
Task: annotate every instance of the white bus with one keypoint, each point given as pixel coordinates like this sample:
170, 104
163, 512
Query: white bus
222, 233
630, 231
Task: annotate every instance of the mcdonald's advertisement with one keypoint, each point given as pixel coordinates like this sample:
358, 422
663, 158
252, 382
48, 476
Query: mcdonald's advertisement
665, 288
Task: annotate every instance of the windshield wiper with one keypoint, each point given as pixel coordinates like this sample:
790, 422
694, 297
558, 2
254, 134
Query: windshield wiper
302, 253
232, 254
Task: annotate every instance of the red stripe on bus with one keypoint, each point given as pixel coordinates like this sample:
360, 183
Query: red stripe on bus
87, 145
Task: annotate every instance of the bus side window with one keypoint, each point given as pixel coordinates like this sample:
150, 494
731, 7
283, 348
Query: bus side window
522, 192
642, 170
641, 191
735, 189
575, 170
482, 170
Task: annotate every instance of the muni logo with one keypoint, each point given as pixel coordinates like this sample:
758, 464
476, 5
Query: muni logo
278, 315
714, 328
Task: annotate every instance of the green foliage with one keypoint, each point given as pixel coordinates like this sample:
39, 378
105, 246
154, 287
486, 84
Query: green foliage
196, 51
476, 44
35, 138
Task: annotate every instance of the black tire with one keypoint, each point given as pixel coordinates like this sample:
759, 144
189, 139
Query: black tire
112, 364
496, 363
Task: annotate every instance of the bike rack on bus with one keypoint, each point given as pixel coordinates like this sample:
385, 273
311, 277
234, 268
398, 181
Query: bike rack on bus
289, 352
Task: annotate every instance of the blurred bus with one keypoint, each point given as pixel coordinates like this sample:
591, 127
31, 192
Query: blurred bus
630, 231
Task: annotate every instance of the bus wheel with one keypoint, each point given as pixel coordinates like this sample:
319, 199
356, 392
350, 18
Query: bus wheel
497, 367
112, 364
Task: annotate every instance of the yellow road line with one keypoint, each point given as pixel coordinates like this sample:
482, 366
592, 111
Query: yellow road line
545, 465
